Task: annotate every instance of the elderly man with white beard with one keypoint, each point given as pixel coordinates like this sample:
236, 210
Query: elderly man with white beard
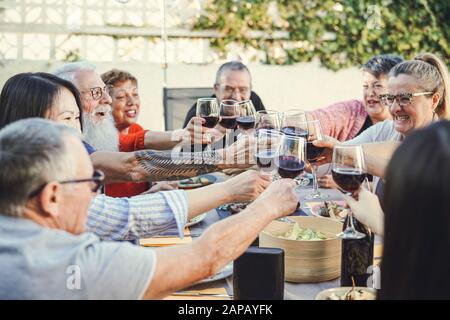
100, 133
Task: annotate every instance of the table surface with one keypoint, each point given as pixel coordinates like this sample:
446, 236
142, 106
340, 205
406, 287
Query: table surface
292, 291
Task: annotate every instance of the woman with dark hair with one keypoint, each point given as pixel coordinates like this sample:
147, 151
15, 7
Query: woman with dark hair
57, 100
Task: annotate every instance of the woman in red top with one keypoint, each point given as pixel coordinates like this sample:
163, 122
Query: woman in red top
126, 105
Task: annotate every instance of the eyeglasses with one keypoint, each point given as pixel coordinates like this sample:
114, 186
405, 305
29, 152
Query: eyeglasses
97, 92
98, 178
242, 90
403, 99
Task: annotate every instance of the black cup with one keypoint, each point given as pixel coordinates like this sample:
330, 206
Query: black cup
258, 274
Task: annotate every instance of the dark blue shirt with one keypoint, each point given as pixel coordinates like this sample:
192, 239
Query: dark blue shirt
90, 149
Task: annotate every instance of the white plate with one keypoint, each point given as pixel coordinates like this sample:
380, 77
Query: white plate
196, 220
222, 274
314, 209
323, 295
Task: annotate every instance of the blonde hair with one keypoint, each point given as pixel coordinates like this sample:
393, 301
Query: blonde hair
432, 75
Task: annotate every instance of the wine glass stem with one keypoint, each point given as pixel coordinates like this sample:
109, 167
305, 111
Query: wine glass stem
350, 220
314, 174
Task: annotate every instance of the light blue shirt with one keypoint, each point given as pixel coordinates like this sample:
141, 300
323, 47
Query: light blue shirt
43, 263
138, 216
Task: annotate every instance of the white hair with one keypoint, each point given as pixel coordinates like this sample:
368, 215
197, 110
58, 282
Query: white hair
33, 152
68, 70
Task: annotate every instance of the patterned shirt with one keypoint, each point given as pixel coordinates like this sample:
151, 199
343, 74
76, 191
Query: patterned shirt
139, 216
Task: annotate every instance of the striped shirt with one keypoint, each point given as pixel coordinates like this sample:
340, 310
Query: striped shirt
137, 217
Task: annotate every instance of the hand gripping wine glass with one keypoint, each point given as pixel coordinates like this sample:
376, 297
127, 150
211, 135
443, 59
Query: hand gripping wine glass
349, 171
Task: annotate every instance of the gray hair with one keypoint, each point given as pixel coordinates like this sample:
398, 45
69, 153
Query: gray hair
233, 66
33, 152
68, 70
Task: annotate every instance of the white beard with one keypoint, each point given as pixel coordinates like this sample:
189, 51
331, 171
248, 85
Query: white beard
102, 135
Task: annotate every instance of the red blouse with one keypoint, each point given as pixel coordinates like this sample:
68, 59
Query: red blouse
128, 142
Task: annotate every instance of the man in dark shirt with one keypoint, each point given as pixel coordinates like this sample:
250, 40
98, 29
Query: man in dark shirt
234, 82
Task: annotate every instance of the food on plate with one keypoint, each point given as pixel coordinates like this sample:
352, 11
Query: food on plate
332, 210
353, 294
297, 233
196, 181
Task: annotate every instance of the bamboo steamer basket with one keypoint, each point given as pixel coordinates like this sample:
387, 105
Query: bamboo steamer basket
307, 261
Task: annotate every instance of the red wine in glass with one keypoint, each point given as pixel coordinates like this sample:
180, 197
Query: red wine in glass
228, 122
246, 122
312, 152
210, 121
289, 166
348, 179
294, 131
265, 159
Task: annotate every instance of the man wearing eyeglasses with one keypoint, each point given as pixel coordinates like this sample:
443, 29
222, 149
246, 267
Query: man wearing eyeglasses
46, 253
99, 129
233, 82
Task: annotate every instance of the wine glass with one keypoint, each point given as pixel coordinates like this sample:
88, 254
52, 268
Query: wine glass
290, 125
267, 146
290, 121
268, 119
208, 109
247, 115
313, 154
349, 171
291, 156
228, 113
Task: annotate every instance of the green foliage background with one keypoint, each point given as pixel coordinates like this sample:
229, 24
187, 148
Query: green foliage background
339, 33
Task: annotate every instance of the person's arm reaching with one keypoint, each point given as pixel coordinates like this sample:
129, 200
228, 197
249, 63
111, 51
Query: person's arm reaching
151, 165
194, 133
376, 154
147, 215
222, 242
243, 187
140, 216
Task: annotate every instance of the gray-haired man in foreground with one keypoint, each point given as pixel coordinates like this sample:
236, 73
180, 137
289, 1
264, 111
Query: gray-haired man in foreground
46, 185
